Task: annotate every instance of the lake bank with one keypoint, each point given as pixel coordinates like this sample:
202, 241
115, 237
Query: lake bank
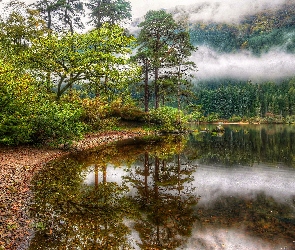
18, 166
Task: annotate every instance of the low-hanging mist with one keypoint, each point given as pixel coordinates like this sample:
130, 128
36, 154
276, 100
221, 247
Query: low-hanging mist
274, 65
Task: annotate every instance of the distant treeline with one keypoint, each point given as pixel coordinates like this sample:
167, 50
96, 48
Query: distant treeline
247, 99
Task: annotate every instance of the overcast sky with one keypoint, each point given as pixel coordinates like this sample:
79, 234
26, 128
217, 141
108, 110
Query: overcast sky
219, 8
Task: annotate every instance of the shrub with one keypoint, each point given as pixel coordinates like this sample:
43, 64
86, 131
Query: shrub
290, 119
59, 122
235, 118
213, 117
195, 116
28, 113
168, 118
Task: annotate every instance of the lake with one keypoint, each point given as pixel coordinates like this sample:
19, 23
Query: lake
204, 190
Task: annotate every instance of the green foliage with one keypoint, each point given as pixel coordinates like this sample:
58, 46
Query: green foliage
222, 37
195, 116
268, 101
97, 58
59, 122
108, 11
290, 119
94, 110
168, 118
213, 117
164, 44
98, 114
235, 118
29, 115
258, 33
127, 111
62, 15
19, 26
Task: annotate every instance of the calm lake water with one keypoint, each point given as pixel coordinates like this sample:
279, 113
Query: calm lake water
234, 190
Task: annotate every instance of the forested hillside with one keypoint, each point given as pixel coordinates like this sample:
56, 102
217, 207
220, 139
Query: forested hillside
258, 32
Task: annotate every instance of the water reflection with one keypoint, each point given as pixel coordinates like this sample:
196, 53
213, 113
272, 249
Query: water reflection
71, 211
201, 191
245, 145
72, 215
164, 197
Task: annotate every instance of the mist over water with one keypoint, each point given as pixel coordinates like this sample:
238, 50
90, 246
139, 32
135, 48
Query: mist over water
247, 182
230, 239
274, 65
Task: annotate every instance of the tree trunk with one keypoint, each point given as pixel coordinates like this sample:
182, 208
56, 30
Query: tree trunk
146, 87
146, 175
178, 94
156, 88
96, 175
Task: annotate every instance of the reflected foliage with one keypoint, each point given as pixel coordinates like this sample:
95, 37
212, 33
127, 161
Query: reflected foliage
142, 194
245, 145
69, 213
165, 198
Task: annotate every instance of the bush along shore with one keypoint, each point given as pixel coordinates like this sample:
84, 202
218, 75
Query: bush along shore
18, 166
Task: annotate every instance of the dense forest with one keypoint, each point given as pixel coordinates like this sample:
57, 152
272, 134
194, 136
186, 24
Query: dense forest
62, 76
267, 102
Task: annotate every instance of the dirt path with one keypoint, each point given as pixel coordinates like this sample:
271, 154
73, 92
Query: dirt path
17, 167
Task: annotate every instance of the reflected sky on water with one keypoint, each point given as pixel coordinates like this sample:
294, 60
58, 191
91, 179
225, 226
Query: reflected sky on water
234, 190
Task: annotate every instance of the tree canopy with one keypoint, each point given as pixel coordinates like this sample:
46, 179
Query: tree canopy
162, 43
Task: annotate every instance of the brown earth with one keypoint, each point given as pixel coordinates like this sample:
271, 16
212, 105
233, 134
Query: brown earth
17, 167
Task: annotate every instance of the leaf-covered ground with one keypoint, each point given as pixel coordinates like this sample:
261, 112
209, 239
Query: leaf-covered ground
17, 167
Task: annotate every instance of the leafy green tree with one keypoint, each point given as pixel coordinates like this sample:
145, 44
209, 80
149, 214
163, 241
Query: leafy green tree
156, 37
28, 113
163, 44
182, 67
144, 61
98, 57
18, 27
70, 13
108, 11
47, 9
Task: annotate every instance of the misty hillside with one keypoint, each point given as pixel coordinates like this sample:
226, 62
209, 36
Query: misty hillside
257, 33
254, 41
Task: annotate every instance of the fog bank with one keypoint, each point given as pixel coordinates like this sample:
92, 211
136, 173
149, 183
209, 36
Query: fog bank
213, 183
274, 65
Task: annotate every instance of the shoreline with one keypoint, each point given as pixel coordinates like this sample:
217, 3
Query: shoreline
18, 166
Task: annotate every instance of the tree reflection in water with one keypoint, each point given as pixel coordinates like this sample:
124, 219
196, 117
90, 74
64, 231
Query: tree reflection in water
154, 191
71, 214
164, 197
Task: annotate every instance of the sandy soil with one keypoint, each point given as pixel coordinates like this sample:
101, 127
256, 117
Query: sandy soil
17, 167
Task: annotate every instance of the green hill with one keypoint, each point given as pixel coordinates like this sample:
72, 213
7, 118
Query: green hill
257, 33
